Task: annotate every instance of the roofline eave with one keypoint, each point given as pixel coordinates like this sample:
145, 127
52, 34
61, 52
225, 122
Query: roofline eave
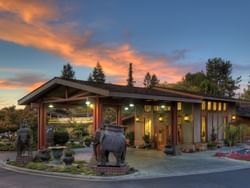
28, 98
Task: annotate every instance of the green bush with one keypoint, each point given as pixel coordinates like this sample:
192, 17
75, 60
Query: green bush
36, 166
7, 146
61, 137
211, 145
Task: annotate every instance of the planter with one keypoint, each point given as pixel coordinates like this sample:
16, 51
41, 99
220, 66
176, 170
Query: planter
57, 153
169, 150
68, 160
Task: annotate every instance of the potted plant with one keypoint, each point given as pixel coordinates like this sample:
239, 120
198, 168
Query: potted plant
68, 158
87, 141
168, 149
147, 141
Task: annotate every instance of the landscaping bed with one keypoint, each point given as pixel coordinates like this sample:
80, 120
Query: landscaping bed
78, 167
239, 154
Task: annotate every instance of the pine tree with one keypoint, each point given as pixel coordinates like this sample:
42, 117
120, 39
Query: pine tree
147, 80
130, 79
154, 81
68, 72
98, 74
90, 78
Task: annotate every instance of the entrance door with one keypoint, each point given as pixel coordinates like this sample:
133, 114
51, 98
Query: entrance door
148, 127
161, 137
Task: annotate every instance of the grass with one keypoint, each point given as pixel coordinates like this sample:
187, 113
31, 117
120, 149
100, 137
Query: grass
78, 167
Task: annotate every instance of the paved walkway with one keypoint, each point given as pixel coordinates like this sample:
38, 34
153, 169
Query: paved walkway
152, 163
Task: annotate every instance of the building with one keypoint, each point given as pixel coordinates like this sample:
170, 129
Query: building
182, 119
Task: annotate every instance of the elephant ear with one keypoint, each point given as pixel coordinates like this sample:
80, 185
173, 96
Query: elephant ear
102, 135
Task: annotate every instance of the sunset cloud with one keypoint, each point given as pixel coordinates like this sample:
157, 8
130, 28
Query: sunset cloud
27, 81
29, 10
27, 23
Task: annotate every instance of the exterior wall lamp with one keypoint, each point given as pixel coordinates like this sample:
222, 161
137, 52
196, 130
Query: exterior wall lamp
233, 117
186, 117
160, 118
137, 119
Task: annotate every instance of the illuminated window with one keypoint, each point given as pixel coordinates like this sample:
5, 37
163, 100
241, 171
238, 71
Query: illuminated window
156, 108
219, 106
224, 106
209, 105
147, 108
214, 106
203, 129
179, 106
203, 105
168, 108
148, 127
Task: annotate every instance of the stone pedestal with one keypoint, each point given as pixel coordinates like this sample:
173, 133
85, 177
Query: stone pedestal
110, 170
22, 160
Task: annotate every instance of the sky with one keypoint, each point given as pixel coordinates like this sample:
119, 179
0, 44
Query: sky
164, 37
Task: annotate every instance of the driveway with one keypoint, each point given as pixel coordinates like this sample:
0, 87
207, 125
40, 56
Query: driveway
152, 163
155, 163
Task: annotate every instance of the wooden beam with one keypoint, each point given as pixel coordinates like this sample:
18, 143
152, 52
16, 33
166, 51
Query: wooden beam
67, 100
82, 94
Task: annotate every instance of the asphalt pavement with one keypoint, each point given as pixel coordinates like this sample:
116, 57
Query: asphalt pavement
230, 179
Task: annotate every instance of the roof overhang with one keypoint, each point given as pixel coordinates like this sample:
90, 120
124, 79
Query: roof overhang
29, 98
154, 97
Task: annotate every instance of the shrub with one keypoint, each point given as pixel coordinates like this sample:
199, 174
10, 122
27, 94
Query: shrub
61, 137
87, 140
69, 153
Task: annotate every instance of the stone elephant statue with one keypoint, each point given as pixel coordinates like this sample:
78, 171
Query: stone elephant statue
110, 139
24, 140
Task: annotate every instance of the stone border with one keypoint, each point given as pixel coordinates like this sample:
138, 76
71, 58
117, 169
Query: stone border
134, 176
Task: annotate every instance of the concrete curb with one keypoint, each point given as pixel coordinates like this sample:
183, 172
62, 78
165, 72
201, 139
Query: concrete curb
131, 177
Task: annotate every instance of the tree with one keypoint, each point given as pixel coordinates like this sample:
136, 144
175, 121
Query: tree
216, 81
154, 81
68, 72
219, 74
147, 80
130, 79
98, 74
246, 92
90, 78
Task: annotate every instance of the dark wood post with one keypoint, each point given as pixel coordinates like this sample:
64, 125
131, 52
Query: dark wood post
42, 121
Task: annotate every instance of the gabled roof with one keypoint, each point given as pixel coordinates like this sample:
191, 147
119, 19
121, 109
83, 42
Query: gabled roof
201, 96
106, 90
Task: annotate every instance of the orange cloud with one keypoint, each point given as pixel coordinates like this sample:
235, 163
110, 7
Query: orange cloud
77, 48
29, 10
35, 85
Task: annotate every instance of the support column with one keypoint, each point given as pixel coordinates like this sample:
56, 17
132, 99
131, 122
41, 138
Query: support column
174, 128
42, 121
119, 115
174, 123
97, 115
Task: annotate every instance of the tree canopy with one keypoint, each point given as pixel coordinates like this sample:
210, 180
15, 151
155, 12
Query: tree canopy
246, 92
217, 79
68, 72
97, 74
150, 81
130, 80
